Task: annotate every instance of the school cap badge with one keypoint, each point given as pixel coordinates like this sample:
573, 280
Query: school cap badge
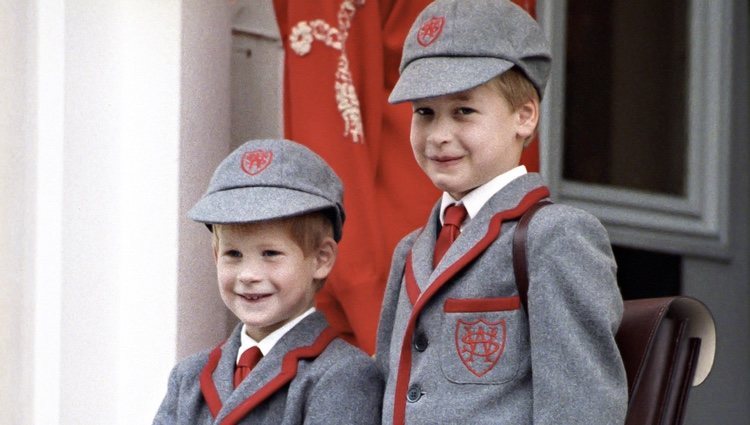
270, 179
430, 31
256, 161
456, 45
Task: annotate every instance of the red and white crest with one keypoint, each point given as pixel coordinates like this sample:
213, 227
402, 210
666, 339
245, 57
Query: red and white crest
480, 344
430, 31
254, 162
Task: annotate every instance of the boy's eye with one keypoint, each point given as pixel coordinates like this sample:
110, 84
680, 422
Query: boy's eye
271, 253
465, 111
233, 253
423, 111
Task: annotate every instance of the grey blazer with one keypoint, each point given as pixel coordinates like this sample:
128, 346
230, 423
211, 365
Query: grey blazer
456, 346
308, 377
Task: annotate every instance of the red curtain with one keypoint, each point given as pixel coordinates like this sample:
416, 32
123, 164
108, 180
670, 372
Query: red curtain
341, 62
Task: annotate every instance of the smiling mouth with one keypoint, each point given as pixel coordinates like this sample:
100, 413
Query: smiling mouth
443, 157
254, 297
444, 160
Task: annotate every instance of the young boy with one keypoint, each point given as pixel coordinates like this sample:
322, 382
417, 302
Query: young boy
454, 341
276, 212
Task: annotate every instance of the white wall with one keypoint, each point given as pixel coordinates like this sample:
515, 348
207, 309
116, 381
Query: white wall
114, 115
119, 196
89, 206
14, 198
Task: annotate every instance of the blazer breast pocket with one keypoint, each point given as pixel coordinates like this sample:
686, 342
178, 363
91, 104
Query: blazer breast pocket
481, 339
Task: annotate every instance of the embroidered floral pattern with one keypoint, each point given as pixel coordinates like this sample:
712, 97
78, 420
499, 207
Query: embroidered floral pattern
301, 39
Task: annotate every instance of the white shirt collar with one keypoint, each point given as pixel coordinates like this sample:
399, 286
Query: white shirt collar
267, 343
475, 200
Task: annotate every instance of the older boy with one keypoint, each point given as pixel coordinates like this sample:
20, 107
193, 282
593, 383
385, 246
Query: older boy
276, 212
454, 342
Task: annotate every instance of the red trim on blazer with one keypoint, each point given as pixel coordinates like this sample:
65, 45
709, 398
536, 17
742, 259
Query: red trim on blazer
288, 372
493, 231
207, 383
481, 305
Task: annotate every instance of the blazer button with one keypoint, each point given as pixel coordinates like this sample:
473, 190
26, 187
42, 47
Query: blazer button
414, 393
420, 342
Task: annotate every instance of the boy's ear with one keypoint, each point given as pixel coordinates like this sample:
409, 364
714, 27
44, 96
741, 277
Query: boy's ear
528, 118
325, 257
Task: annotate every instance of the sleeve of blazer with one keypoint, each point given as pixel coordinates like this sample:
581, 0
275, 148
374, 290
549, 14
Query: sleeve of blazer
167, 413
390, 302
575, 308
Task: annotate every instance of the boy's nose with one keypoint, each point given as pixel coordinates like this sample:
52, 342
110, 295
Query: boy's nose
440, 132
249, 274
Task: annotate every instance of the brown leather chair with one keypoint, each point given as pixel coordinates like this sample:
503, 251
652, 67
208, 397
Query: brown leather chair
667, 345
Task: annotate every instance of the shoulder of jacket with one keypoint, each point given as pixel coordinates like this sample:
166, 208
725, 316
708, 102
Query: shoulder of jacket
405, 244
192, 364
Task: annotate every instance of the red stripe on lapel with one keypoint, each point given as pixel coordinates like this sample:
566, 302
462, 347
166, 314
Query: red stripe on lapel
208, 388
288, 372
493, 231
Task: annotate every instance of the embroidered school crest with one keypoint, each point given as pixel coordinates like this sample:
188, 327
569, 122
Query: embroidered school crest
254, 162
430, 31
480, 344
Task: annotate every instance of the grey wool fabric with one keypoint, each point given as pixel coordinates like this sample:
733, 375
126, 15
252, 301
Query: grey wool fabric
338, 385
476, 356
270, 179
456, 45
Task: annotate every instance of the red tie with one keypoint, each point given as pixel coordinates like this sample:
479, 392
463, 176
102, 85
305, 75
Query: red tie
452, 218
247, 362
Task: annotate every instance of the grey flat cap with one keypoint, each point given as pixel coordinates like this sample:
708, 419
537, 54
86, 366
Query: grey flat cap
270, 179
456, 45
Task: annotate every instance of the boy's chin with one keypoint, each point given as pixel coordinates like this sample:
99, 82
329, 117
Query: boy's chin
457, 192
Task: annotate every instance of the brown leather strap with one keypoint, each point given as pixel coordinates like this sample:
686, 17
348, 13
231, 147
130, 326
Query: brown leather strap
520, 264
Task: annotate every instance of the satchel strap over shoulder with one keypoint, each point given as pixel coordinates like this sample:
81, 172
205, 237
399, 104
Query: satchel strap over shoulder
520, 263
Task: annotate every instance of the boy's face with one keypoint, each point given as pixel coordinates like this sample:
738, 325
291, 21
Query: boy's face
264, 277
464, 140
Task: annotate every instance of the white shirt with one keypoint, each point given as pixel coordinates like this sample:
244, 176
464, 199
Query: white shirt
267, 343
475, 200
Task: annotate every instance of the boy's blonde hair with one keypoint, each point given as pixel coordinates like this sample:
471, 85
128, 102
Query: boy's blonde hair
517, 90
308, 231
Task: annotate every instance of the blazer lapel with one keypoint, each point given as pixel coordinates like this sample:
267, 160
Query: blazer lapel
216, 377
470, 235
514, 195
224, 373
423, 250
508, 203
267, 374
